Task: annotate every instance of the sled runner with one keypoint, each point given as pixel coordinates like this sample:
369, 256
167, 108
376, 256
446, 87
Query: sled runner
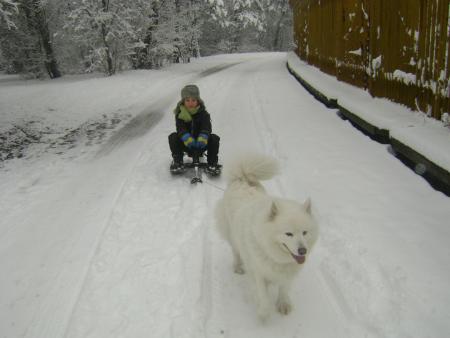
198, 165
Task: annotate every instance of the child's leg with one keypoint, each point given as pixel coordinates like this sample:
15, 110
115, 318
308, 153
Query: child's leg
213, 148
176, 146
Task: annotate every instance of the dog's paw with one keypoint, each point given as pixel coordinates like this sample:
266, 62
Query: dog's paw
239, 269
284, 307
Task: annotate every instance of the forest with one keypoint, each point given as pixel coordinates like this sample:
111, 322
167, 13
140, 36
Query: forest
49, 38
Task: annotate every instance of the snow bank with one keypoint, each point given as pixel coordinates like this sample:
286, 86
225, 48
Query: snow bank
414, 129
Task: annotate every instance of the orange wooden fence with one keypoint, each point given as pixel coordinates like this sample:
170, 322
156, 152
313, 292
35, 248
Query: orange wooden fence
398, 49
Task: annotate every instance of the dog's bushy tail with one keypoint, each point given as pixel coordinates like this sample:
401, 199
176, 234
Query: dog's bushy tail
252, 168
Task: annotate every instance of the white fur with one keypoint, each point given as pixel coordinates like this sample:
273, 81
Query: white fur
264, 231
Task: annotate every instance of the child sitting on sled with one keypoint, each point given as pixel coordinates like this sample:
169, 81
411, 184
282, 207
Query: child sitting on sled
193, 135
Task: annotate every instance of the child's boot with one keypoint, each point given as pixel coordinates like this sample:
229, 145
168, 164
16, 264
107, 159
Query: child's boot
177, 166
213, 168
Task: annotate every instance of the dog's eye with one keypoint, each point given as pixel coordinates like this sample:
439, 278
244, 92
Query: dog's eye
305, 233
289, 234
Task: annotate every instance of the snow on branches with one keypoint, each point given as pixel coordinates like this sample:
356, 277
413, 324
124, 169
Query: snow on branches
7, 9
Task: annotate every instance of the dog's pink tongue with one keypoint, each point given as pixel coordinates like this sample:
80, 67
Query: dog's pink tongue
299, 259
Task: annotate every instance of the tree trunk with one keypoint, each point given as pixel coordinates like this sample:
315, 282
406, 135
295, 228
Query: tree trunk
50, 64
109, 60
37, 24
276, 40
42, 26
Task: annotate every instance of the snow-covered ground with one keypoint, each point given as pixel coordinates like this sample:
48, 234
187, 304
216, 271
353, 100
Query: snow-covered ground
427, 136
97, 239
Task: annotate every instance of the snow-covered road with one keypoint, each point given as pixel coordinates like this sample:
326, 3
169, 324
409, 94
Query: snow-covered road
109, 244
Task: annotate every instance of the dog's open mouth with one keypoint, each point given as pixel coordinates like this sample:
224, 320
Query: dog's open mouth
300, 259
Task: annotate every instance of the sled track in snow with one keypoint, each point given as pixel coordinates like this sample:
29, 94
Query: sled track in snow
216, 69
136, 127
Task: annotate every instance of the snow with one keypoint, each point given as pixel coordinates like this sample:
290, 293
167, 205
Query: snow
427, 136
407, 78
356, 52
97, 239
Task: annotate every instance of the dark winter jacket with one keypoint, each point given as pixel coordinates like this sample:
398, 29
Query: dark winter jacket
201, 122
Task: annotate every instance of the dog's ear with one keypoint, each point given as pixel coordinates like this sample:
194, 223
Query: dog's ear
307, 206
273, 211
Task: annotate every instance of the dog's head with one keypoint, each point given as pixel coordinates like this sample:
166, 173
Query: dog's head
293, 231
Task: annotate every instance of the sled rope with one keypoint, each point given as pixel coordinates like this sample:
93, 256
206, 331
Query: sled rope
214, 186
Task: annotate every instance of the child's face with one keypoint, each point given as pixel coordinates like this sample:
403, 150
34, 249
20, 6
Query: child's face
190, 102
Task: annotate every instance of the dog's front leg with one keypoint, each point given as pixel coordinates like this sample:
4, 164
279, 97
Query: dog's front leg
284, 303
262, 298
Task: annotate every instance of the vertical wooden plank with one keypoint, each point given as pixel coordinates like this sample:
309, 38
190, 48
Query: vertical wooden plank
421, 53
340, 19
351, 63
439, 62
374, 46
365, 41
447, 66
430, 55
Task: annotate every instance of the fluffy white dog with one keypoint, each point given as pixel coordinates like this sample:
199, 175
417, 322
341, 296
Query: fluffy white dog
270, 237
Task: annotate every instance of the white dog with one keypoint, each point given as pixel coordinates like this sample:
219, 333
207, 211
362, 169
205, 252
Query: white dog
270, 237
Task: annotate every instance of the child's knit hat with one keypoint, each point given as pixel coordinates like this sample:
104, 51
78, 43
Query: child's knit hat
190, 91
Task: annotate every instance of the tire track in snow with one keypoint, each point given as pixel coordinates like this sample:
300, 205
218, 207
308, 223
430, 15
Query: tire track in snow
268, 138
119, 195
127, 238
266, 133
216, 69
137, 127
74, 224
135, 248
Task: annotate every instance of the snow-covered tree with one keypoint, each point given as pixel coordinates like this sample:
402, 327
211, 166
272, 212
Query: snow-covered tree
172, 34
162, 33
7, 8
87, 35
246, 25
242, 20
144, 27
226, 26
28, 47
276, 24
188, 28
103, 30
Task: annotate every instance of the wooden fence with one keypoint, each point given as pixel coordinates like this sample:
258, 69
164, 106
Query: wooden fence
398, 49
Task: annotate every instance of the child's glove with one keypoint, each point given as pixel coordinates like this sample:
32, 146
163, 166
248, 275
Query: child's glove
188, 140
202, 141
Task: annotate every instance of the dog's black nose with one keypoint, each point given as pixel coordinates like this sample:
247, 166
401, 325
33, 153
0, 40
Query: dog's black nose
302, 251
